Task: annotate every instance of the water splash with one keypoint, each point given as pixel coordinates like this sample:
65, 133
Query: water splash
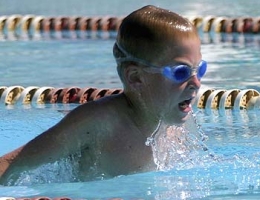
64, 170
179, 146
150, 140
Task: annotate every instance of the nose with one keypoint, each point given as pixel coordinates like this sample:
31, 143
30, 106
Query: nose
194, 83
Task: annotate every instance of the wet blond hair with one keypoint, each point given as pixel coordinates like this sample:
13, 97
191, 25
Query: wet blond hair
149, 32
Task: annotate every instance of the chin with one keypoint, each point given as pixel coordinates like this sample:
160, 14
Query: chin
177, 120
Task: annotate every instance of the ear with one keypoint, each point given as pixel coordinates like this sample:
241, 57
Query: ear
134, 75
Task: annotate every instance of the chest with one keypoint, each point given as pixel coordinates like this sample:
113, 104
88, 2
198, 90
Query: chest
125, 158
119, 152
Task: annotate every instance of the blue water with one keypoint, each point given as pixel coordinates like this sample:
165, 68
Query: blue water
89, 62
233, 137
59, 63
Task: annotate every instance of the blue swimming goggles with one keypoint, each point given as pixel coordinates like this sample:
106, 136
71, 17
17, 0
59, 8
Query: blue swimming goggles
176, 73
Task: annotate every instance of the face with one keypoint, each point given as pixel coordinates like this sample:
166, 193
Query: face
172, 101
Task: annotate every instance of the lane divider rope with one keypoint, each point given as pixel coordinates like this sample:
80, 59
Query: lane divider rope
222, 99
218, 99
41, 95
33, 25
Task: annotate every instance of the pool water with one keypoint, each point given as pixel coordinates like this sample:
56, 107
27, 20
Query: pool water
79, 63
229, 169
233, 136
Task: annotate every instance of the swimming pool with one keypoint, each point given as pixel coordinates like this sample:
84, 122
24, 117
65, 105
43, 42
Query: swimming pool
233, 135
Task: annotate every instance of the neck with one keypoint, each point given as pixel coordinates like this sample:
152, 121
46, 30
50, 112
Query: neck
142, 116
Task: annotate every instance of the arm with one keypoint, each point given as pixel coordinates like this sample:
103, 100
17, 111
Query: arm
63, 139
6, 160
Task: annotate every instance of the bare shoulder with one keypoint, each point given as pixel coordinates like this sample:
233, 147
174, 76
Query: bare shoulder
95, 116
98, 110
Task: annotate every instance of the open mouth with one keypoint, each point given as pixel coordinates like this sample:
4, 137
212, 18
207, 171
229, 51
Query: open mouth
186, 104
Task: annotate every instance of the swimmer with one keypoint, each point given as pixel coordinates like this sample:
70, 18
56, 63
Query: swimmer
160, 65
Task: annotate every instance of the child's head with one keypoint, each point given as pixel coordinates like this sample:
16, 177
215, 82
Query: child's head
152, 34
159, 62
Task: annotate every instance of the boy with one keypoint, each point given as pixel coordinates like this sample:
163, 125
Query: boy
159, 62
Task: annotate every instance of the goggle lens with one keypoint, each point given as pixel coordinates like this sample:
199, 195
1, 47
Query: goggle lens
202, 69
182, 73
